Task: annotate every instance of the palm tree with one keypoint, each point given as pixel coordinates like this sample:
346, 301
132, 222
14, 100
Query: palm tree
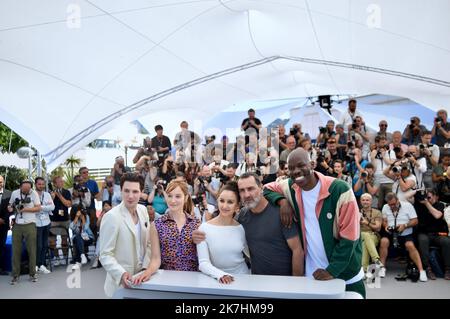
72, 162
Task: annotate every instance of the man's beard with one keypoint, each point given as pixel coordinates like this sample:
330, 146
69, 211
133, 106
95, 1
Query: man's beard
251, 204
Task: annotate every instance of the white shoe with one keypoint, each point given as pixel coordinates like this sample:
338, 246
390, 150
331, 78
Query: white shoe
423, 276
44, 270
76, 266
382, 272
83, 259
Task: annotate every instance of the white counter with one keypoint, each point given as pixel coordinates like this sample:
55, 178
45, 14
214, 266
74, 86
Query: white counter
186, 284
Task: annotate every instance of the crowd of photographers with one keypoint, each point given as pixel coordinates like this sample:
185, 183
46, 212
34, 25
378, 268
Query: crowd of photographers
401, 182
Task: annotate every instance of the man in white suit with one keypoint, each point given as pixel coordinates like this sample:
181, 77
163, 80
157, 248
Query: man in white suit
124, 236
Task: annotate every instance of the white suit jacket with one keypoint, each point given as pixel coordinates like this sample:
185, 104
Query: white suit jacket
119, 245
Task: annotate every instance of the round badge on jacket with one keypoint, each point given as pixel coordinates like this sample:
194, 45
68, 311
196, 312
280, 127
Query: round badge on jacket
329, 215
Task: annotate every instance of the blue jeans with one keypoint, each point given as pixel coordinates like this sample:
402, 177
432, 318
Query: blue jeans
41, 244
79, 245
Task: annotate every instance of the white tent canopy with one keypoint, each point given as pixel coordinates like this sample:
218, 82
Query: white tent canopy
72, 70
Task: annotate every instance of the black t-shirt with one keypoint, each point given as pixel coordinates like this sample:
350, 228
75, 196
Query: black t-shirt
427, 222
267, 241
164, 141
61, 212
440, 138
247, 120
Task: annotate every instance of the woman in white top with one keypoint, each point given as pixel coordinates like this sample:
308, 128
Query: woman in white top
221, 254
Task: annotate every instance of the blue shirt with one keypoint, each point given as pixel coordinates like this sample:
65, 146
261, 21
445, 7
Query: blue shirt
159, 204
93, 187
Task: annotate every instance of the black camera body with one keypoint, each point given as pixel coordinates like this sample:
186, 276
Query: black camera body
420, 195
364, 175
19, 204
161, 185
323, 130
438, 120
395, 234
80, 188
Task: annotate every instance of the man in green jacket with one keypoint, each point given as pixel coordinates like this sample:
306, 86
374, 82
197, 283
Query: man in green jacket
327, 213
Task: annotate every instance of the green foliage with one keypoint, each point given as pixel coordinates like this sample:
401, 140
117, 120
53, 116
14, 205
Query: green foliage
15, 176
5, 135
72, 162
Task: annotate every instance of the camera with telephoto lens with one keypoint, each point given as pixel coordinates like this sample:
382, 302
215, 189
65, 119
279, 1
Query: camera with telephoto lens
19, 204
161, 185
321, 156
438, 120
394, 232
420, 195
364, 175
354, 126
322, 130
80, 188
397, 169
379, 154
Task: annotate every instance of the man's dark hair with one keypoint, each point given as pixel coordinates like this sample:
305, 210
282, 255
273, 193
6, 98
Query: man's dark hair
158, 127
369, 165
76, 177
180, 174
351, 101
426, 132
82, 169
250, 174
390, 196
251, 110
339, 162
134, 178
37, 179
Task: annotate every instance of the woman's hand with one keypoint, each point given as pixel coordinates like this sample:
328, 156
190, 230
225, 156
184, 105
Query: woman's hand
145, 276
227, 279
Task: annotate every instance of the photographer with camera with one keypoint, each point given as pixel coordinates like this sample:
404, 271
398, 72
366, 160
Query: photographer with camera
43, 224
413, 131
282, 137
383, 125
118, 170
187, 141
399, 218
157, 198
161, 143
207, 184
60, 217
291, 145
326, 158
441, 177
418, 165
348, 117
397, 142
433, 230
365, 183
341, 139
381, 157
325, 133
296, 132
169, 169
25, 204
82, 235
81, 195
431, 153
405, 182
95, 194
441, 129
108, 193
370, 224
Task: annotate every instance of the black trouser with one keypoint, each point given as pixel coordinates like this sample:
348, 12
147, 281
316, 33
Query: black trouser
434, 239
3, 235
